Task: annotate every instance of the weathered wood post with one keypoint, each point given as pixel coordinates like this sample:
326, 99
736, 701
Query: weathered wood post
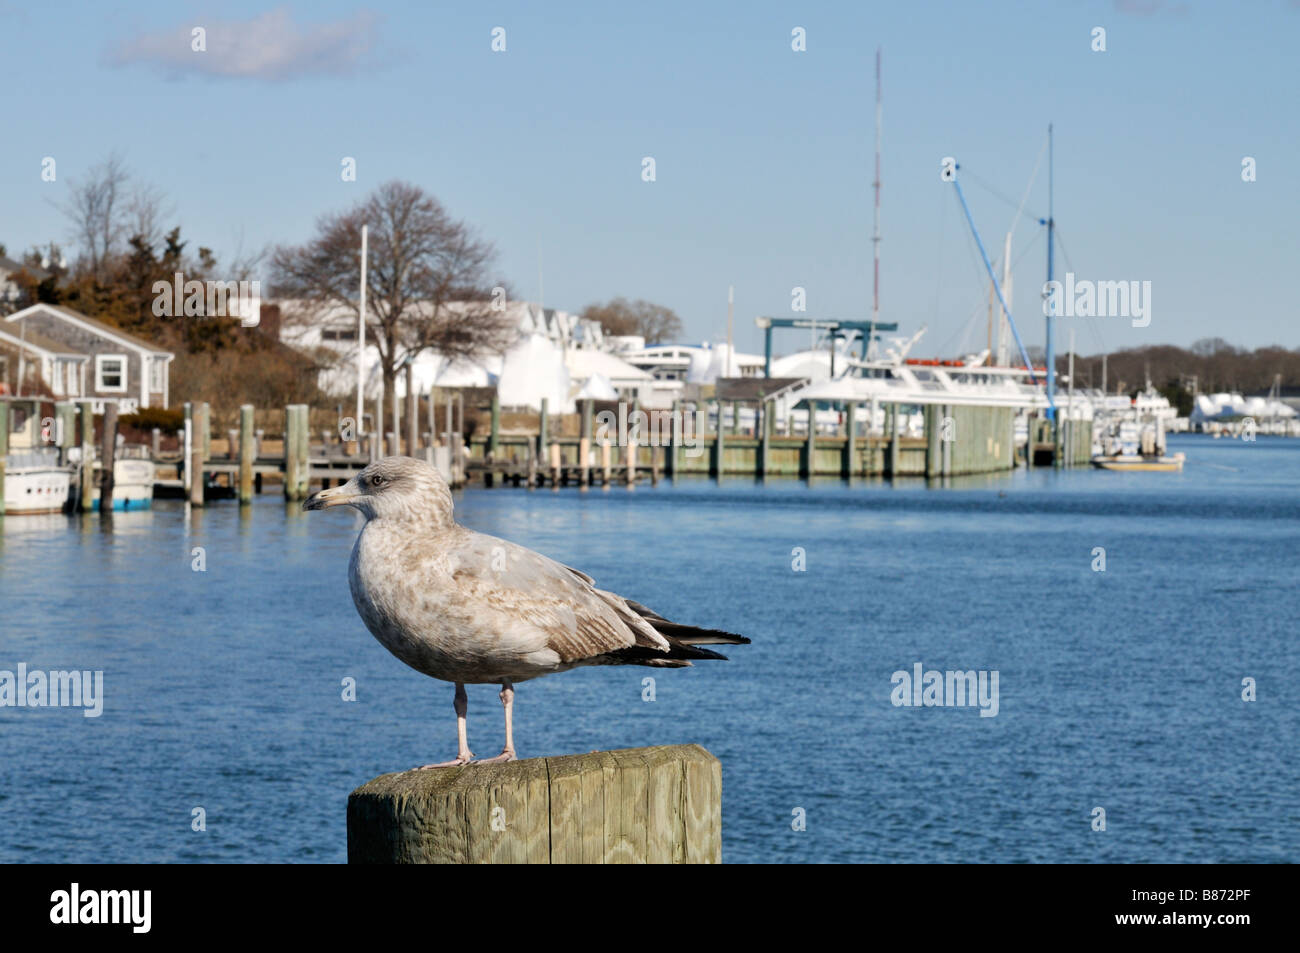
871, 422
719, 443
1029, 442
850, 442
660, 805
606, 464
155, 442
895, 438
200, 419
495, 433
584, 444
87, 456
679, 430
811, 446
107, 452
412, 412
947, 436
297, 475
555, 465
4, 449
247, 452
65, 420
543, 437
631, 452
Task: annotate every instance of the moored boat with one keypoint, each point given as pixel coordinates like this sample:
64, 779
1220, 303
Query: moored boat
35, 483
1139, 462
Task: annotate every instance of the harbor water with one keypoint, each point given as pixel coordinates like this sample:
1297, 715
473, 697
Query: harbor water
1120, 683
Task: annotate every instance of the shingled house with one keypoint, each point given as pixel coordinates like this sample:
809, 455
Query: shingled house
81, 357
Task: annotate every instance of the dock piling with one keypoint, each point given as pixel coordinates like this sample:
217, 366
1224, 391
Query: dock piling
637, 805
108, 450
246, 453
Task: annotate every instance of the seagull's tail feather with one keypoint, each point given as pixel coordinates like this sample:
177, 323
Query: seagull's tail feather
689, 634
683, 646
693, 635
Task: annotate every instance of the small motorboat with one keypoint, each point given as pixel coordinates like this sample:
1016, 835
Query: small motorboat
1117, 461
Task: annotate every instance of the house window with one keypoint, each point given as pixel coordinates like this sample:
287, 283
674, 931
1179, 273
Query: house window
73, 371
157, 367
56, 377
110, 372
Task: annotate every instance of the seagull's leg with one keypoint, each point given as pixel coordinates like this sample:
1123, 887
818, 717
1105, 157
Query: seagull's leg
508, 701
463, 755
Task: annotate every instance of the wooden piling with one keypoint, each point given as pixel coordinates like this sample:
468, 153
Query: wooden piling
848, 466
297, 476
894, 440
87, 456
584, 444
200, 429
495, 433
810, 446
107, 454
246, 453
719, 443
765, 446
412, 412
4, 449
637, 805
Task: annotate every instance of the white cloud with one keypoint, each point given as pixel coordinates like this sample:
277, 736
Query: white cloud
270, 46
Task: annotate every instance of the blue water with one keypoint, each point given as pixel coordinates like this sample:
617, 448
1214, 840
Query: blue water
1118, 689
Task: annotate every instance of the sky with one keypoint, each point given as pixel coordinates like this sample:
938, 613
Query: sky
763, 154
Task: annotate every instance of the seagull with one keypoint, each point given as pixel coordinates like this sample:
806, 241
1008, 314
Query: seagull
468, 608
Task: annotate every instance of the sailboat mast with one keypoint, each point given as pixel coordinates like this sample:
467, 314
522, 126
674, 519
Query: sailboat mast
1051, 244
875, 239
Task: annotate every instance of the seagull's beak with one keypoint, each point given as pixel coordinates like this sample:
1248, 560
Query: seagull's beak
335, 496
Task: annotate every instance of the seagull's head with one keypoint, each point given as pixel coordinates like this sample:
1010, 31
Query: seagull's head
395, 488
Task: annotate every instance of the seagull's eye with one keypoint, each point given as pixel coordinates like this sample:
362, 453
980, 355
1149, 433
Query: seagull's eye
377, 480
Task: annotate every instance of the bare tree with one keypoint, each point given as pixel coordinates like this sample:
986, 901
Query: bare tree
95, 210
428, 284
654, 322
145, 213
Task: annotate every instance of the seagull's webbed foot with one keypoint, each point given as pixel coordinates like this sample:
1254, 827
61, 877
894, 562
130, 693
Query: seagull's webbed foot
506, 755
465, 757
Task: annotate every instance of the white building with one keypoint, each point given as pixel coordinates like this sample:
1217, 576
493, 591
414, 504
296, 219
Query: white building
554, 357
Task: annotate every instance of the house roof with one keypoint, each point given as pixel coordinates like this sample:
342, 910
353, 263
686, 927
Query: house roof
36, 341
8, 265
584, 362
97, 327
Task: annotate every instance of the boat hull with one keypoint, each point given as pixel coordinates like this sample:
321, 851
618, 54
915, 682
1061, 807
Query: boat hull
33, 490
132, 485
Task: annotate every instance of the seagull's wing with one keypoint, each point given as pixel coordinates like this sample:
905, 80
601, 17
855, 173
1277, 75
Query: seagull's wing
573, 618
